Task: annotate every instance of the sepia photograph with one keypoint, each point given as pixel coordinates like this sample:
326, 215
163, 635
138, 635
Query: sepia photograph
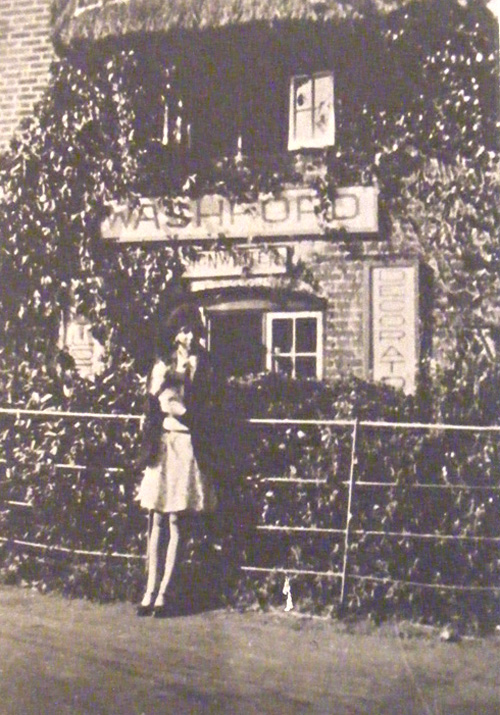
249, 357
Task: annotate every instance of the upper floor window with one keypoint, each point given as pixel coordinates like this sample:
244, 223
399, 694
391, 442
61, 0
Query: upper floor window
176, 129
312, 119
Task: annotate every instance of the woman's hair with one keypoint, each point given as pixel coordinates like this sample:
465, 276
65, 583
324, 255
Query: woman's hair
185, 317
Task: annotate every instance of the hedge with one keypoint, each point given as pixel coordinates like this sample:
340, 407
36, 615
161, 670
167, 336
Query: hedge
95, 510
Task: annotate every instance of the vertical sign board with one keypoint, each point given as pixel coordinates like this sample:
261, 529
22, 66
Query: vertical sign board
394, 326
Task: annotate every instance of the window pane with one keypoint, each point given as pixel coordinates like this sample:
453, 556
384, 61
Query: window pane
323, 91
303, 126
306, 335
303, 93
323, 109
283, 365
282, 335
305, 367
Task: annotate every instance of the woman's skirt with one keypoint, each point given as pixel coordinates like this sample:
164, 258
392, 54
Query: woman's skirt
176, 483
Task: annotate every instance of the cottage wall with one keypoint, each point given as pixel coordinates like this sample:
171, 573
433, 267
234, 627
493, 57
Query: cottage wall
359, 339
342, 284
351, 327
25, 55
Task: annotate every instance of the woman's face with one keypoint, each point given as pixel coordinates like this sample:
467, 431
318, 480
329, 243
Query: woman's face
185, 338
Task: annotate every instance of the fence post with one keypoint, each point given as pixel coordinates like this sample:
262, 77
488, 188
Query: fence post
349, 515
9, 460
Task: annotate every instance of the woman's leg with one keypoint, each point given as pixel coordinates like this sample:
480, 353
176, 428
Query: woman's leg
154, 556
170, 559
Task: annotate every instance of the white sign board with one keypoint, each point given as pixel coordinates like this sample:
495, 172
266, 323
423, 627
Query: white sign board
293, 213
394, 326
236, 263
86, 351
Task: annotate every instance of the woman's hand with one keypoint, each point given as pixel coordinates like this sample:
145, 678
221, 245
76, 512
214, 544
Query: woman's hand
176, 408
171, 402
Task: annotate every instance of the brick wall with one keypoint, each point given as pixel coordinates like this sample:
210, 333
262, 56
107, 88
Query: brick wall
25, 55
351, 342
341, 282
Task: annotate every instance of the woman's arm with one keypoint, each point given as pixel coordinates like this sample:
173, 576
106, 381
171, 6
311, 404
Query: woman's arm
149, 439
156, 377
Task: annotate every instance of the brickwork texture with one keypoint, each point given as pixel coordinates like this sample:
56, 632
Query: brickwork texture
25, 55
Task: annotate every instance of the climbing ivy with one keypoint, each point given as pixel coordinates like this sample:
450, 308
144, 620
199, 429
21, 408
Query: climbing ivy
427, 138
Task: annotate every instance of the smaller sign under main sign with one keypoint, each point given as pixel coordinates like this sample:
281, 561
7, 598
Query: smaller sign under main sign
292, 213
241, 261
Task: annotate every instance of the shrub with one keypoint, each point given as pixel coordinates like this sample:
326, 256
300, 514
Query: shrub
268, 476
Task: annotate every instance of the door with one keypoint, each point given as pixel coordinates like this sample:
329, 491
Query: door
236, 346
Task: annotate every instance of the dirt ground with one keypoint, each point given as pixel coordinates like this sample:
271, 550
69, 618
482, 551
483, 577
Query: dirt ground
62, 656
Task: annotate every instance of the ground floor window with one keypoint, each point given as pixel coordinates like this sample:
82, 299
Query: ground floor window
294, 344
252, 341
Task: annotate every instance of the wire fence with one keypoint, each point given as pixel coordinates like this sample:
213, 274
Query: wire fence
353, 485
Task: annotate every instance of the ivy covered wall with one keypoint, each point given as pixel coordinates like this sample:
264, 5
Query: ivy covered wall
422, 78
415, 94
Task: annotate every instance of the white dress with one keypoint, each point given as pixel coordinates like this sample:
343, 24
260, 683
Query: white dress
175, 483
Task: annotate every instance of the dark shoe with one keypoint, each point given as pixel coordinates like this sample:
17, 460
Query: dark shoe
143, 611
164, 611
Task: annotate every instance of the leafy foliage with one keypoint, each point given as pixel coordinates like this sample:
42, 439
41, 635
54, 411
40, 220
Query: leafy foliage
429, 483
70, 160
427, 138
260, 484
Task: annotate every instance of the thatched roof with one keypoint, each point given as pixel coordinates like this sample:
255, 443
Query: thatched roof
75, 20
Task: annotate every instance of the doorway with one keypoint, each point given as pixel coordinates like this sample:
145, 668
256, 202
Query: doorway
236, 344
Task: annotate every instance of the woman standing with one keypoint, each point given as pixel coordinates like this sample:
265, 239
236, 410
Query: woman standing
173, 483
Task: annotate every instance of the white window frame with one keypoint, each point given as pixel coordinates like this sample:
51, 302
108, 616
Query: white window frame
294, 315
312, 142
180, 133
